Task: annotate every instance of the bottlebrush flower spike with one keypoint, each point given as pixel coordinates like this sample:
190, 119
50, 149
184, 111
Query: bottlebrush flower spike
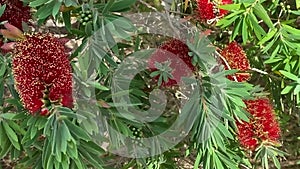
41, 69
15, 12
236, 59
263, 126
176, 52
208, 9
205, 10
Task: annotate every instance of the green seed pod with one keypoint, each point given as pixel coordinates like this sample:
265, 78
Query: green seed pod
90, 16
86, 18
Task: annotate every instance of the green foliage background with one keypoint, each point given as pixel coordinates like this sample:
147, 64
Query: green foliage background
270, 32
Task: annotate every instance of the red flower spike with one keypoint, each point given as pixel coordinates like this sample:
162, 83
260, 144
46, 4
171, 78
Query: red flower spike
15, 12
205, 10
208, 9
40, 65
176, 52
263, 126
236, 59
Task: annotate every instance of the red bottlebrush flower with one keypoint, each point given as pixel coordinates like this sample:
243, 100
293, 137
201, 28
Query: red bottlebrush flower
176, 52
15, 12
208, 9
263, 126
41, 67
236, 59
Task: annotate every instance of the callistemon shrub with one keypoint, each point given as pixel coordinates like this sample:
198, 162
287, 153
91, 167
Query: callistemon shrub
15, 12
208, 10
235, 58
176, 52
42, 72
263, 126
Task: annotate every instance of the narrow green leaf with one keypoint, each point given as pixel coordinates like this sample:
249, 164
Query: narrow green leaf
260, 11
287, 89
8, 116
230, 7
98, 86
2, 9
107, 6
268, 36
289, 75
38, 3
122, 5
77, 131
225, 131
55, 9
245, 30
12, 136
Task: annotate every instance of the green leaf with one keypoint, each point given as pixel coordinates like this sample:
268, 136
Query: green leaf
39, 3
12, 136
2, 70
245, 30
90, 158
289, 75
287, 89
297, 90
107, 6
55, 9
92, 147
45, 11
122, 5
236, 29
230, 7
67, 20
2, 9
268, 36
198, 160
225, 131
98, 86
260, 11
290, 29
226, 22
77, 131
8, 116
65, 137
297, 4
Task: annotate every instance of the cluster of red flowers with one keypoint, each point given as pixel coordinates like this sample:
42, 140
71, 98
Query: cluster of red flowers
176, 52
208, 9
15, 12
236, 59
41, 69
263, 126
